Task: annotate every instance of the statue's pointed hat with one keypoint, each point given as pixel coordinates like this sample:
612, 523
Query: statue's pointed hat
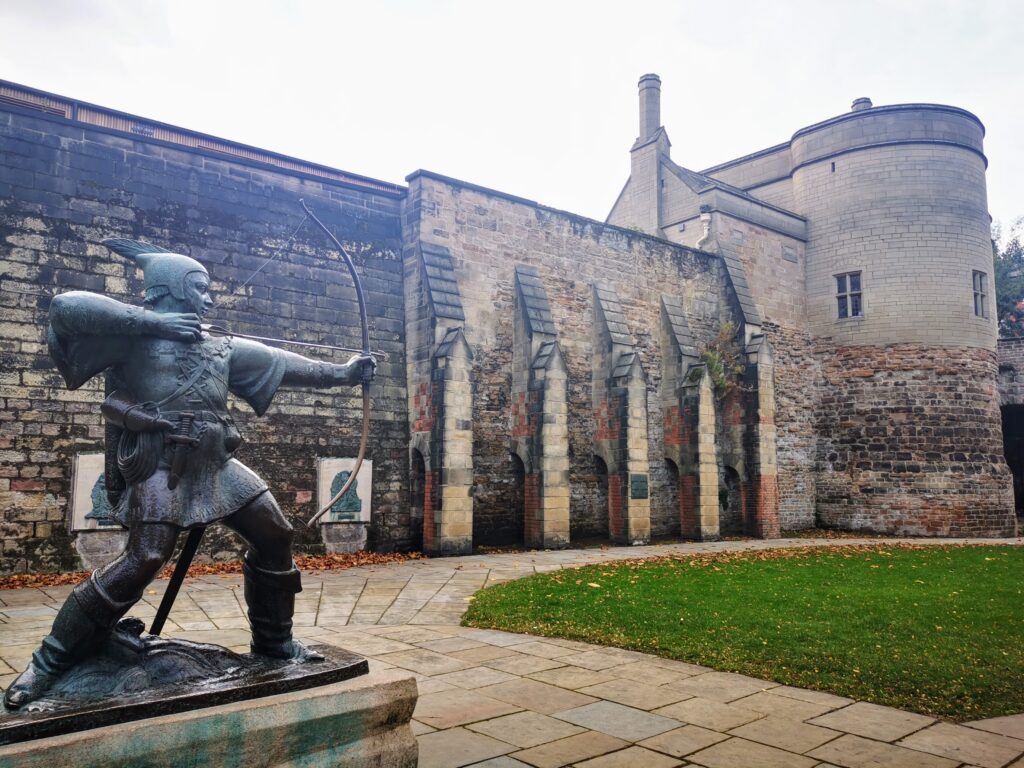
159, 267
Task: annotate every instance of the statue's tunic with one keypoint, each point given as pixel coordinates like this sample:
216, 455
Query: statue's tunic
177, 377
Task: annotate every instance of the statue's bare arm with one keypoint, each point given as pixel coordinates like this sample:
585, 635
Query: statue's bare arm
80, 313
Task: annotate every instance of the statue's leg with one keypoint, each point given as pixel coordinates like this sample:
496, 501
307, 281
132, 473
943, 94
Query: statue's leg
92, 610
271, 578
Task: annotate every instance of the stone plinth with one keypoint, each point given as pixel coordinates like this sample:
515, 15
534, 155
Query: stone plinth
358, 722
343, 538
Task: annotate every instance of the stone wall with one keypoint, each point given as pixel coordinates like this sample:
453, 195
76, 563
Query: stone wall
1011, 371
64, 187
488, 233
910, 442
797, 382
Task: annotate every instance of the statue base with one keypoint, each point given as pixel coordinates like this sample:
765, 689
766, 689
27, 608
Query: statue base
136, 675
359, 722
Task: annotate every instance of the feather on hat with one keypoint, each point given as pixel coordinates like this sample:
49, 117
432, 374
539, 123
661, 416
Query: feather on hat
160, 268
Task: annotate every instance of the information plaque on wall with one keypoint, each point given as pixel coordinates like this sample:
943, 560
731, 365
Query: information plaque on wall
638, 486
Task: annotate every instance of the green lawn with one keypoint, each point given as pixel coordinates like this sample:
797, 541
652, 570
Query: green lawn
936, 630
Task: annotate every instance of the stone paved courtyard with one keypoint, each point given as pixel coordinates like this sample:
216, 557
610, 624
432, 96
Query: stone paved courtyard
498, 699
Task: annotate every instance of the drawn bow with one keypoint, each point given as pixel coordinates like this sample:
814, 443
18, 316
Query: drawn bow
361, 299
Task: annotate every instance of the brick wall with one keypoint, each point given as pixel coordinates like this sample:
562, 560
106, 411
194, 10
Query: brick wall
64, 187
910, 442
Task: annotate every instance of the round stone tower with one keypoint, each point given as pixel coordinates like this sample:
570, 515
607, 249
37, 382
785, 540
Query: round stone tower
899, 290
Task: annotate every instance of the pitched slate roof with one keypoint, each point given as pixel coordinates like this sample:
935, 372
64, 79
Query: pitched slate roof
679, 326
610, 307
442, 287
534, 300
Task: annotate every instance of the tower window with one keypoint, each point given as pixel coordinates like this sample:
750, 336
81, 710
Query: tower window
848, 295
980, 282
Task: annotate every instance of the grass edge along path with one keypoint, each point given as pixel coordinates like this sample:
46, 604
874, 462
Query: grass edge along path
931, 629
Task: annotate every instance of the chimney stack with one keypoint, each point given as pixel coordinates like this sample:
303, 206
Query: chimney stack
859, 105
650, 105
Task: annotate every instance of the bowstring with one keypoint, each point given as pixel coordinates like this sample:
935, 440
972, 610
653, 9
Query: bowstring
273, 256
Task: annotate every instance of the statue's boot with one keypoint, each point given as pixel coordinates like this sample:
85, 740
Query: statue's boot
270, 596
82, 624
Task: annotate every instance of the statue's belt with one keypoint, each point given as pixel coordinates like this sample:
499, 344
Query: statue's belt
211, 416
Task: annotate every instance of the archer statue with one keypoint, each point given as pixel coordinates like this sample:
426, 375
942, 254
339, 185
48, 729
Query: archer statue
169, 446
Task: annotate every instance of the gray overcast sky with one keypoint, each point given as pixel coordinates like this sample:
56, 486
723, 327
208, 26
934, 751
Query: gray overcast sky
533, 98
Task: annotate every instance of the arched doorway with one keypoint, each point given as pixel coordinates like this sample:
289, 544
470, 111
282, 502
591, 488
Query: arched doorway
674, 527
417, 500
730, 503
513, 529
1013, 450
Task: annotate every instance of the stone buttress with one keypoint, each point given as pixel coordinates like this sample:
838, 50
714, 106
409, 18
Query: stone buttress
540, 433
761, 483
688, 405
619, 388
440, 380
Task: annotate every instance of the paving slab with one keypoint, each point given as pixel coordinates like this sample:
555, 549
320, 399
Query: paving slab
709, 714
767, 702
721, 686
683, 741
596, 660
571, 750
459, 707
645, 672
526, 729
874, 721
1011, 725
618, 720
500, 762
456, 747
781, 732
814, 697
633, 694
571, 677
536, 696
424, 661
630, 758
476, 677
543, 649
481, 653
737, 753
857, 752
522, 664
988, 750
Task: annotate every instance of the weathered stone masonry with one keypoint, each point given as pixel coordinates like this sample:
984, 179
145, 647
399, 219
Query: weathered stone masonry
914, 446
895, 195
491, 239
550, 379
64, 187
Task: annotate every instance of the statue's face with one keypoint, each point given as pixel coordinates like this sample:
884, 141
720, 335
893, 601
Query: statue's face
197, 292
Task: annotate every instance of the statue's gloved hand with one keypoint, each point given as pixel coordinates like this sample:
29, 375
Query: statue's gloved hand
178, 326
359, 369
120, 408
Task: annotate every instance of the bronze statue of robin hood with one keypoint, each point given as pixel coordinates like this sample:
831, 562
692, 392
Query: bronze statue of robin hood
169, 452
